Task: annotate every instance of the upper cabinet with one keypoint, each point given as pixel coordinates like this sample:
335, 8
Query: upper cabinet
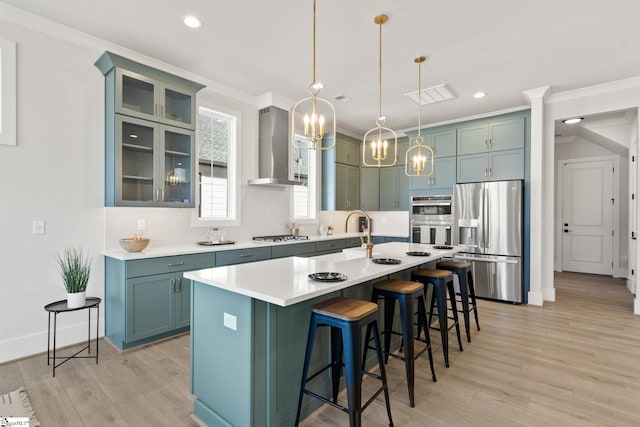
494, 135
150, 120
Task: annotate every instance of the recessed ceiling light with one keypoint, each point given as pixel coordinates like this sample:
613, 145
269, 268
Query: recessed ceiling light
573, 121
191, 21
479, 95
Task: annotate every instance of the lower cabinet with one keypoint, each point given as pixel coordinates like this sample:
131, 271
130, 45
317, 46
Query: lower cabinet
148, 299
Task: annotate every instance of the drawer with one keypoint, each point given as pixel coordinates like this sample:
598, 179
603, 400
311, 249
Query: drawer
296, 249
169, 264
330, 245
353, 242
240, 256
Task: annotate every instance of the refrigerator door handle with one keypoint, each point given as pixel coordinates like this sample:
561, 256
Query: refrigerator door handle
491, 260
487, 225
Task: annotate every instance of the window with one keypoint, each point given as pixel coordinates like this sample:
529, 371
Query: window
304, 169
217, 179
7, 92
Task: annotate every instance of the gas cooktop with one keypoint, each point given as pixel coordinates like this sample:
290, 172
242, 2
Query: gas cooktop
279, 238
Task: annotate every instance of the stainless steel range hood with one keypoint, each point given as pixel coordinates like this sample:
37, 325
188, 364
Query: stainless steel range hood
273, 149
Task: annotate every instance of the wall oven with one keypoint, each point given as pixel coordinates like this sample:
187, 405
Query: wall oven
431, 219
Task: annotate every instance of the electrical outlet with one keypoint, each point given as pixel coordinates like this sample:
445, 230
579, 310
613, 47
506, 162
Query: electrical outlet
230, 321
142, 224
38, 226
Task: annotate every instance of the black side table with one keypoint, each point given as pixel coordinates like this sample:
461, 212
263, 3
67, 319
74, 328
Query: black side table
61, 307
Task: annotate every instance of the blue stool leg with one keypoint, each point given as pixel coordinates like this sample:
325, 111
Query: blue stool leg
336, 361
452, 295
422, 318
464, 296
307, 362
440, 290
472, 292
352, 343
406, 320
383, 373
389, 311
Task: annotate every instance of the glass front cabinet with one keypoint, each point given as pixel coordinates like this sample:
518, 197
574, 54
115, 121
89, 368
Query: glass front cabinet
150, 119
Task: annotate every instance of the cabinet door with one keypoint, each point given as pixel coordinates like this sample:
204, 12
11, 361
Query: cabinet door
341, 188
150, 309
136, 156
352, 187
443, 143
472, 168
370, 189
473, 139
444, 176
347, 150
178, 106
508, 164
388, 189
136, 95
177, 174
506, 134
402, 189
182, 302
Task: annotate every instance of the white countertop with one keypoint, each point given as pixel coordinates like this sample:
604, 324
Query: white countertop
160, 251
285, 281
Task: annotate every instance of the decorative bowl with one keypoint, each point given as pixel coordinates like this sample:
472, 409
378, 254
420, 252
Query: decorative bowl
133, 245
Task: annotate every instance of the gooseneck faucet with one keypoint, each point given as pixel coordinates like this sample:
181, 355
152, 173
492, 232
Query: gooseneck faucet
369, 244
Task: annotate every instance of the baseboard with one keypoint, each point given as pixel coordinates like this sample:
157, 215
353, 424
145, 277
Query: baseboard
636, 305
33, 344
534, 298
549, 294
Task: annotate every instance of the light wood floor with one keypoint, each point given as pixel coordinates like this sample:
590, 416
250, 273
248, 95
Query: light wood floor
575, 362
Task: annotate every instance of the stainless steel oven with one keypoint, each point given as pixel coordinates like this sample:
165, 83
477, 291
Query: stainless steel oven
431, 219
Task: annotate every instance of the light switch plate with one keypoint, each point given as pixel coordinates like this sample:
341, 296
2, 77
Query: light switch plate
38, 226
142, 224
231, 321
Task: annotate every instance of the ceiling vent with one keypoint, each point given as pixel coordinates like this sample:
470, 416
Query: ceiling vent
431, 95
342, 98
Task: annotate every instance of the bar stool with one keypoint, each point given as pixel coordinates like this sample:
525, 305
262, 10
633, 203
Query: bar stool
346, 317
442, 280
465, 277
405, 292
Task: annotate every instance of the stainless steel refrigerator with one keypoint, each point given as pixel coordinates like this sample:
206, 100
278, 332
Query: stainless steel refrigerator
488, 224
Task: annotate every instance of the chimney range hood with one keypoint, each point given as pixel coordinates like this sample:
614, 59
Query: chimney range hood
273, 149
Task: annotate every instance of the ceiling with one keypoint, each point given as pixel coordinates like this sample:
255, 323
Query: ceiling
501, 47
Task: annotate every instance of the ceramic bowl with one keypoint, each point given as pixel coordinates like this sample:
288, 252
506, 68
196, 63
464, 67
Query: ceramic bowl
133, 245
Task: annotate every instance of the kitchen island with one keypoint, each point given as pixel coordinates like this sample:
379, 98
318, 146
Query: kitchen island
249, 327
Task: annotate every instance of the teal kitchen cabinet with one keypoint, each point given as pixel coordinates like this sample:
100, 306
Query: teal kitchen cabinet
150, 119
491, 135
240, 256
305, 249
324, 247
347, 183
496, 166
443, 143
394, 189
153, 164
148, 299
347, 150
444, 176
370, 188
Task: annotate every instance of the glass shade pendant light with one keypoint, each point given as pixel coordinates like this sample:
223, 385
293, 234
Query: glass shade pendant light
313, 116
375, 149
419, 157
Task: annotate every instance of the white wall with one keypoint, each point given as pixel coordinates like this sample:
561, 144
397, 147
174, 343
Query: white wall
56, 174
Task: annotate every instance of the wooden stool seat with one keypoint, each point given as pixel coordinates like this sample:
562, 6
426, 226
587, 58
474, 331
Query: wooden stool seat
430, 272
348, 309
453, 264
399, 286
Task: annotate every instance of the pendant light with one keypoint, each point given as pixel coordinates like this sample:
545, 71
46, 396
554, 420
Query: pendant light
375, 150
419, 157
317, 114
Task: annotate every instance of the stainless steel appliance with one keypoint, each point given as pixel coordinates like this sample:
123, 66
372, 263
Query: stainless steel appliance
431, 219
280, 238
488, 219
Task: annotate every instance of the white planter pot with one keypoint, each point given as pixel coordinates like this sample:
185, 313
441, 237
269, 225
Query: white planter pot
76, 299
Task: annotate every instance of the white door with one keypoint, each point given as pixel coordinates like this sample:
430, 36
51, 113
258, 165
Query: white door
587, 217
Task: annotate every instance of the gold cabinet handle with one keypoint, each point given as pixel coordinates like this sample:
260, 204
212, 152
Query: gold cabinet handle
175, 264
173, 286
245, 255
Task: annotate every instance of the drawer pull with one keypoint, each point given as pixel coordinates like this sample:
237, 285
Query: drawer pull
175, 264
245, 255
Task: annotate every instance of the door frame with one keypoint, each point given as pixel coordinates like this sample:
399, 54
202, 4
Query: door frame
615, 255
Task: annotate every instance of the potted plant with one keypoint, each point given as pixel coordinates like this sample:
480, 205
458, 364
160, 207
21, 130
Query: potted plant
74, 268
